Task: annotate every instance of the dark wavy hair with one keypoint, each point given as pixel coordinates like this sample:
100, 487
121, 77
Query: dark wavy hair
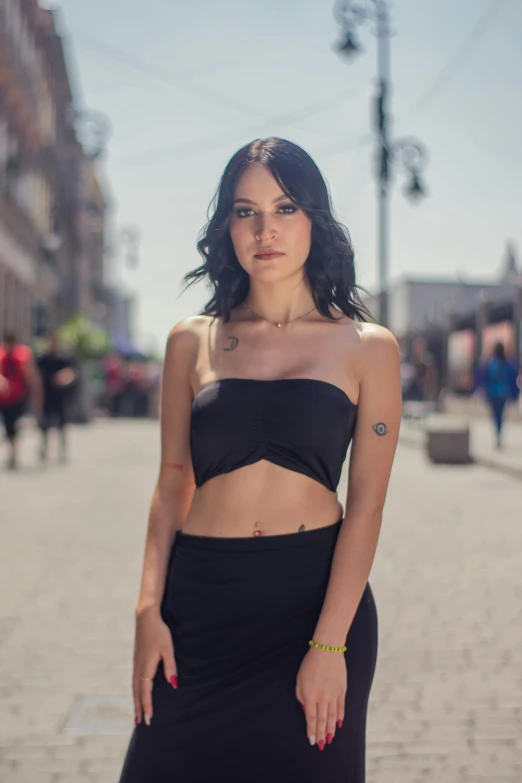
330, 266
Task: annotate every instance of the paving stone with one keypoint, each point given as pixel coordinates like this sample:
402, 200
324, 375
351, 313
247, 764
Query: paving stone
446, 704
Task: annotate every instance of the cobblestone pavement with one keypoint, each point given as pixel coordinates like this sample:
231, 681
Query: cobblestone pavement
447, 699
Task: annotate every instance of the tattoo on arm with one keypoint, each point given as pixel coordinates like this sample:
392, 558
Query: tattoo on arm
380, 429
233, 343
174, 465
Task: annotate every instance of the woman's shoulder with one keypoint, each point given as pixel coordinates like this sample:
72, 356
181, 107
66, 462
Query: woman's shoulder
184, 337
191, 326
371, 336
377, 342
368, 346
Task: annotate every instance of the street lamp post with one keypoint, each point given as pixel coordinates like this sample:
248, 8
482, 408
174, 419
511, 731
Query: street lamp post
408, 152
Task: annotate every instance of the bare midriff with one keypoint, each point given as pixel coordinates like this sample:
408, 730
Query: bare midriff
262, 499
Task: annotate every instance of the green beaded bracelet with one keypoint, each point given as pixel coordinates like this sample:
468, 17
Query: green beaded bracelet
311, 643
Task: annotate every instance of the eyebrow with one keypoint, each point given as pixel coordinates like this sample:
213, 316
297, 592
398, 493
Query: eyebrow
248, 201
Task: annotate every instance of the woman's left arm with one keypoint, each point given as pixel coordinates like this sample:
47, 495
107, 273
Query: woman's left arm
373, 450
321, 684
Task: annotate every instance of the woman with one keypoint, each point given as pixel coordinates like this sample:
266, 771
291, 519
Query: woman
256, 630
498, 379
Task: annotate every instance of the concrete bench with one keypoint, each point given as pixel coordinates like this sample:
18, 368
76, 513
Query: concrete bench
447, 439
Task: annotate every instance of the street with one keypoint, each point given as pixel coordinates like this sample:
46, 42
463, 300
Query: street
446, 703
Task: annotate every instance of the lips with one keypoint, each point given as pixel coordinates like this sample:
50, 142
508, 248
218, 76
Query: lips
268, 254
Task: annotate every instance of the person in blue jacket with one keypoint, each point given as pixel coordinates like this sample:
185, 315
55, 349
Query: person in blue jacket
498, 378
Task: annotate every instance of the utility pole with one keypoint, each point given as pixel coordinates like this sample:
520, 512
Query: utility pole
383, 88
408, 152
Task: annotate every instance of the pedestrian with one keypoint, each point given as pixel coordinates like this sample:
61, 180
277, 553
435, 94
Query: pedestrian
58, 376
137, 388
256, 628
497, 378
114, 383
423, 381
19, 380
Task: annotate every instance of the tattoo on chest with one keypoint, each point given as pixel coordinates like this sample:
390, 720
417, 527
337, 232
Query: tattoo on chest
234, 342
301, 529
380, 429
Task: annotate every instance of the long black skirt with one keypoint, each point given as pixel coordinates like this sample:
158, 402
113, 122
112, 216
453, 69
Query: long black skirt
241, 612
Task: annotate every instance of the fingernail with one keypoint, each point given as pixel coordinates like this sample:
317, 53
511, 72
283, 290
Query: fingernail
174, 681
339, 724
312, 740
329, 738
146, 718
320, 744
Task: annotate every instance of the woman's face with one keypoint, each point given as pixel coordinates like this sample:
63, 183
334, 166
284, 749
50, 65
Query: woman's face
271, 235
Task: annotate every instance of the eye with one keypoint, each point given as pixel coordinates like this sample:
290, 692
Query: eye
288, 209
243, 212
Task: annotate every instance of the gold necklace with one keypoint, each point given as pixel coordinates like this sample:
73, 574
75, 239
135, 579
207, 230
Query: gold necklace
278, 324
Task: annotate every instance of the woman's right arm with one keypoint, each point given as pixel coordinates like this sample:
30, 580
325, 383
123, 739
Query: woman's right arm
171, 501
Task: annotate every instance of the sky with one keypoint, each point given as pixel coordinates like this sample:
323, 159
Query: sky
185, 83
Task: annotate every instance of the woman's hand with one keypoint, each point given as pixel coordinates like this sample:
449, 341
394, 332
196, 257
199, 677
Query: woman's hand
321, 690
153, 643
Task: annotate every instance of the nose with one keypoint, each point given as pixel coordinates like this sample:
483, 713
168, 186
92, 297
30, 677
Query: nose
265, 229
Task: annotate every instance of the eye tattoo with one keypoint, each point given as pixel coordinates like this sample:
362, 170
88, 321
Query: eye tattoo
380, 429
233, 344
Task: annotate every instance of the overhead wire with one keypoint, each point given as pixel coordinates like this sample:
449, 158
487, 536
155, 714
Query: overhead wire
190, 86
340, 145
211, 142
194, 147
450, 68
142, 66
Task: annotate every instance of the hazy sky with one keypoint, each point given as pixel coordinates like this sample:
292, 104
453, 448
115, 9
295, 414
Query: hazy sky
240, 69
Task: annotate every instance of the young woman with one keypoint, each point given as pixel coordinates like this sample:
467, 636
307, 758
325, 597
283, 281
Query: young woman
256, 629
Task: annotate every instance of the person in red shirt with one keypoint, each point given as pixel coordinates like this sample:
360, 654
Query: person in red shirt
19, 378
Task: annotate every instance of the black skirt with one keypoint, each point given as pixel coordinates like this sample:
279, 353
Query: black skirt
241, 612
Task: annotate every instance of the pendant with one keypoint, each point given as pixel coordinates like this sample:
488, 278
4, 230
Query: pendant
279, 324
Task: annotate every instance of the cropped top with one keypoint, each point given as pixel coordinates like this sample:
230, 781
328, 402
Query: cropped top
301, 424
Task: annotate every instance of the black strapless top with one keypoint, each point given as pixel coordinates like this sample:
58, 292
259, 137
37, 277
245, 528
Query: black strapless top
301, 424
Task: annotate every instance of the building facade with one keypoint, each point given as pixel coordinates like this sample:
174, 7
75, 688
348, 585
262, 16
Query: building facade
26, 124
460, 320
52, 209
418, 305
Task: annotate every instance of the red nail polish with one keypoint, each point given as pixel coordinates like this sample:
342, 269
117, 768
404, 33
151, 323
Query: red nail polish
174, 681
320, 744
339, 724
329, 738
